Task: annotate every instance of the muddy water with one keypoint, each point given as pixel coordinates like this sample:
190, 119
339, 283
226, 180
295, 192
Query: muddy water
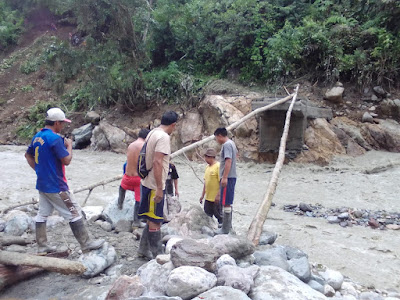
370, 257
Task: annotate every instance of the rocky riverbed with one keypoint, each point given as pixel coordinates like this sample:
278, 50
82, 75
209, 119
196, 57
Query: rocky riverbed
369, 257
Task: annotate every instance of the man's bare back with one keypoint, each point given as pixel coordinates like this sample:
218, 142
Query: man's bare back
132, 157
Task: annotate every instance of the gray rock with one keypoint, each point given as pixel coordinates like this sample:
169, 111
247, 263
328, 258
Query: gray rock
126, 287
300, 268
272, 257
222, 292
114, 271
333, 219
189, 252
318, 279
333, 278
92, 117
163, 259
335, 94
2, 225
187, 282
305, 207
374, 98
224, 260
171, 242
329, 291
53, 221
370, 296
316, 286
154, 277
191, 128
273, 283
358, 214
189, 223
82, 136
98, 260
123, 226
367, 118
246, 261
17, 222
236, 277
172, 207
348, 289
236, 246
268, 238
292, 252
108, 137
106, 226
379, 91
207, 231
343, 216
112, 214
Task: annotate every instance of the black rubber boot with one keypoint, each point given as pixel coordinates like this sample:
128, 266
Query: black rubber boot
155, 243
41, 239
144, 246
136, 222
121, 197
226, 222
81, 234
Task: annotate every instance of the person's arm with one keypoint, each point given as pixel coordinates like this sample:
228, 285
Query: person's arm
30, 159
157, 169
203, 193
67, 159
176, 187
228, 165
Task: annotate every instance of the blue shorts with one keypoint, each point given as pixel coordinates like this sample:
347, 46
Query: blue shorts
228, 192
148, 209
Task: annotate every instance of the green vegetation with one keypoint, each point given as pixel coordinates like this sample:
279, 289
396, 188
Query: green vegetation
27, 88
11, 23
137, 52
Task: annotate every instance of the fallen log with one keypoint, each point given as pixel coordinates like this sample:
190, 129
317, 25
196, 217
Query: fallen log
194, 145
14, 240
7, 209
10, 275
256, 226
52, 264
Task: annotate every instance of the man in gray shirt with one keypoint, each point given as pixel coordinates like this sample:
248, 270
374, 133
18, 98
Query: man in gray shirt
228, 176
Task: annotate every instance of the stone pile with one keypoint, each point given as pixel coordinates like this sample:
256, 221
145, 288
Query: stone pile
198, 266
345, 216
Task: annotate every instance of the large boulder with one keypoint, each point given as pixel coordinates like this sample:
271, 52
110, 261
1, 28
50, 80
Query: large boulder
154, 277
217, 112
92, 117
189, 252
113, 214
222, 292
236, 277
273, 283
191, 127
108, 137
125, 287
98, 260
333, 278
82, 136
300, 268
272, 257
236, 246
383, 136
322, 142
187, 282
17, 222
189, 223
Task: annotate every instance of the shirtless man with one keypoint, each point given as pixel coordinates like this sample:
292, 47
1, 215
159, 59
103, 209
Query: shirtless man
131, 180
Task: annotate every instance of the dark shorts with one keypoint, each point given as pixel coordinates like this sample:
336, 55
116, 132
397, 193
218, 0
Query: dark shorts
131, 183
148, 209
212, 209
228, 192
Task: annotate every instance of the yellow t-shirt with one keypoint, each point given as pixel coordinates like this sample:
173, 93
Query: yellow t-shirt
211, 178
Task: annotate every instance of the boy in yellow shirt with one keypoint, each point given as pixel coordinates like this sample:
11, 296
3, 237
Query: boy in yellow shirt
211, 186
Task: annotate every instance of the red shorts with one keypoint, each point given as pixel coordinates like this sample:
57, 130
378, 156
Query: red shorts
132, 183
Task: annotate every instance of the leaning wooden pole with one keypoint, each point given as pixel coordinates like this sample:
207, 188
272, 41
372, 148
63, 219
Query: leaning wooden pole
53, 264
256, 226
197, 144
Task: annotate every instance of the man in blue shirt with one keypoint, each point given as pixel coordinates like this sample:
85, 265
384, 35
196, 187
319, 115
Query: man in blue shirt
48, 154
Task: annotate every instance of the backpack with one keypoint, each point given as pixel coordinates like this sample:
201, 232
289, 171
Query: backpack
141, 166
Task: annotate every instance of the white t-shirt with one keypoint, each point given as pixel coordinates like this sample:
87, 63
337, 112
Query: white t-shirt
157, 141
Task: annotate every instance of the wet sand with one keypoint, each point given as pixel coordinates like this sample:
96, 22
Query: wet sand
369, 257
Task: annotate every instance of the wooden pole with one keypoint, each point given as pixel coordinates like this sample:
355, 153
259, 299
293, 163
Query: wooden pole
256, 226
53, 264
197, 144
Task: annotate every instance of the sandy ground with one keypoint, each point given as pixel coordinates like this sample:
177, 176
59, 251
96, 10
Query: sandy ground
369, 257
